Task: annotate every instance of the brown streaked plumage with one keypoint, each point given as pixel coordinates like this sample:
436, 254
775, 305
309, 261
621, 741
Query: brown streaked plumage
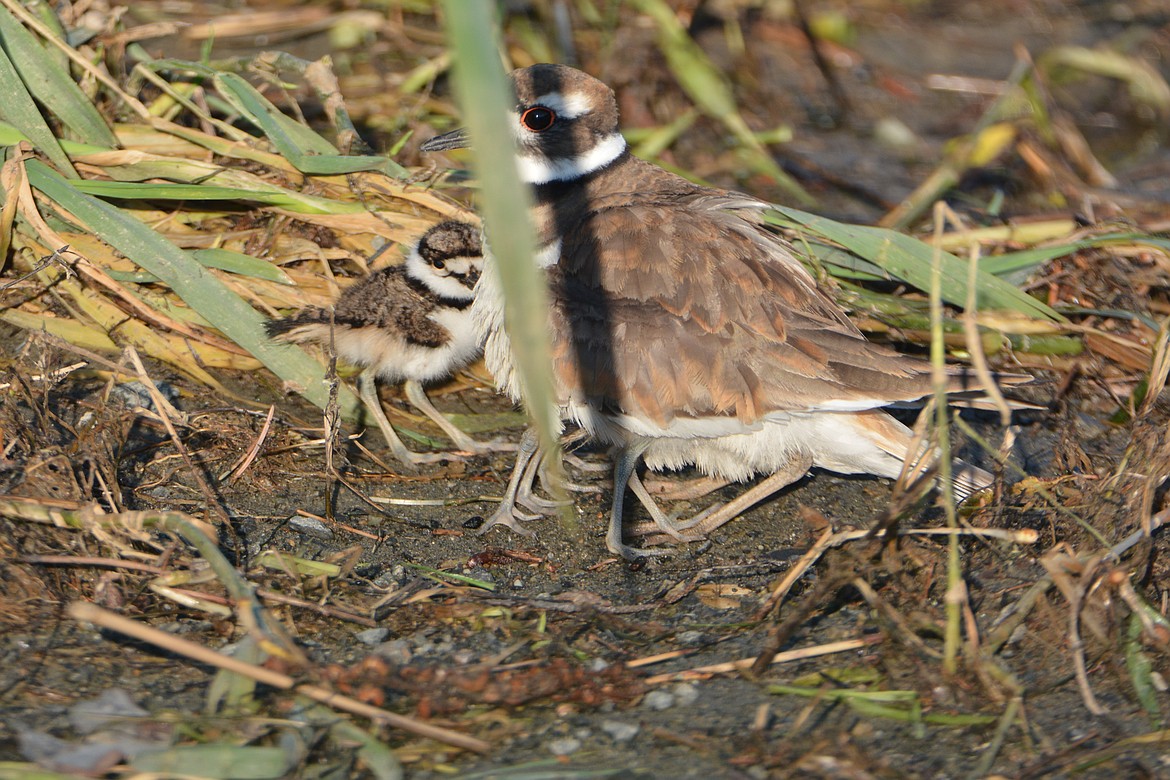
684, 330
408, 323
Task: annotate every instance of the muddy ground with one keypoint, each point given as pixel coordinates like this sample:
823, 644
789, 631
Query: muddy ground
531, 654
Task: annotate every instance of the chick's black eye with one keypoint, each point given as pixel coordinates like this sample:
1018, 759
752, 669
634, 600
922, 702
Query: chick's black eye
439, 263
538, 118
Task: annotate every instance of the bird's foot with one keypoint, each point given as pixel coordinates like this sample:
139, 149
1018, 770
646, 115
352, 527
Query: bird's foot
683, 490
634, 553
472, 448
580, 464
542, 506
510, 516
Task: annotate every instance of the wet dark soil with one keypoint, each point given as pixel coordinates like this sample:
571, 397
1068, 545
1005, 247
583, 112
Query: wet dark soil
561, 607
532, 653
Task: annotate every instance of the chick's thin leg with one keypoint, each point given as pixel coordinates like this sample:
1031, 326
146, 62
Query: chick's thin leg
368, 392
417, 396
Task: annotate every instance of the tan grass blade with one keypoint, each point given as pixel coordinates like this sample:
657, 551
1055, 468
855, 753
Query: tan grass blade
200, 289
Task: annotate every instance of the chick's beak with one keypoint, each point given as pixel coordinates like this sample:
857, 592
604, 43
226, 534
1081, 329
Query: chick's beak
456, 139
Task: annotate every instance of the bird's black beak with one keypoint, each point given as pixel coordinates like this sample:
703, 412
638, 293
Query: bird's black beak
456, 139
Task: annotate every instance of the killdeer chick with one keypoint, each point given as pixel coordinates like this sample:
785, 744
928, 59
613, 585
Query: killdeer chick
409, 323
683, 329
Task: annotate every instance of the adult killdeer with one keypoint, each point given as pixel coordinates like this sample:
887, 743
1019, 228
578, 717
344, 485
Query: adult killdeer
683, 329
411, 323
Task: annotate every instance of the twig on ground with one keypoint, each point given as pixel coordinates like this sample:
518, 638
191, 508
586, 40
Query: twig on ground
991, 752
1077, 645
241, 465
745, 664
795, 573
90, 613
165, 411
905, 632
822, 594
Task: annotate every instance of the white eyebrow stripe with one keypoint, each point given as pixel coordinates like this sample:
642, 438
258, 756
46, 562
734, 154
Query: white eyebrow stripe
569, 106
445, 288
538, 169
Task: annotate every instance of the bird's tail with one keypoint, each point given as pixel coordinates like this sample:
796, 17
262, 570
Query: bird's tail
896, 440
306, 325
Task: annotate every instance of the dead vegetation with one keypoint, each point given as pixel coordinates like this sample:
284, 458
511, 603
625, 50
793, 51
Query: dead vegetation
158, 478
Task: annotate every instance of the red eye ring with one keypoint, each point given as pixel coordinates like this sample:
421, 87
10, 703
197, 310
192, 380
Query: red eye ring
538, 119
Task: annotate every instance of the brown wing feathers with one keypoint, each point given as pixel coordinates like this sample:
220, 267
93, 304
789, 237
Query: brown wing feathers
747, 333
384, 300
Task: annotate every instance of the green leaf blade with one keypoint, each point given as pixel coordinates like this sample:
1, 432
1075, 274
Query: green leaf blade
198, 288
52, 84
908, 259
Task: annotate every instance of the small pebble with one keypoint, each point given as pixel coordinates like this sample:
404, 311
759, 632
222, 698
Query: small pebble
386, 580
134, 394
396, 651
620, 732
658, 700
111, 707
564, 746
894, 134
310, 526
440, 645
186, 626
20, 641
686, 694
692, 638
372, 636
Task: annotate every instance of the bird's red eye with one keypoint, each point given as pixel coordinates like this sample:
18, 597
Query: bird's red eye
538, 118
